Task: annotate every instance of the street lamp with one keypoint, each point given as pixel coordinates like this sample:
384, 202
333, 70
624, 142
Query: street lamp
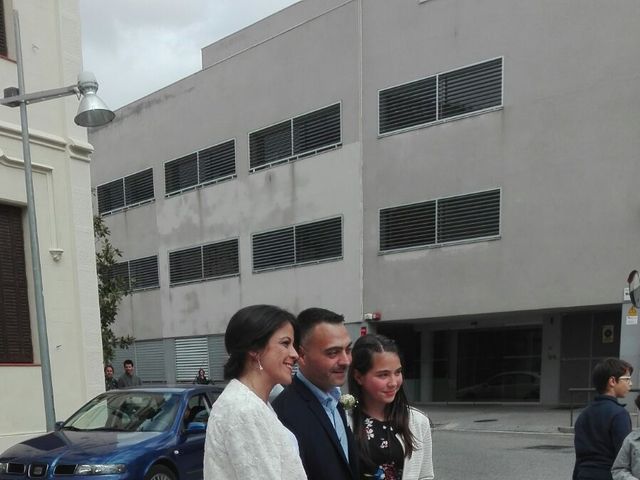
92, 112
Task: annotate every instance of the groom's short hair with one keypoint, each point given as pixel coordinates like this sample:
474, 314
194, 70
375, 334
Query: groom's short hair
309, 318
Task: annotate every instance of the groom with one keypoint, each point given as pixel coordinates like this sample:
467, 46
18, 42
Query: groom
309, 407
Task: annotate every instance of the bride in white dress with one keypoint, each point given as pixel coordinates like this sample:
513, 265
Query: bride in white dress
245, 440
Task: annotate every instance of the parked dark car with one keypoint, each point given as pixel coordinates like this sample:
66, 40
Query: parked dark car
150, 433
504, 386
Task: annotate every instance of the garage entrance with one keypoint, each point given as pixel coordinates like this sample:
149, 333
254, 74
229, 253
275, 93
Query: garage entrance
494, 364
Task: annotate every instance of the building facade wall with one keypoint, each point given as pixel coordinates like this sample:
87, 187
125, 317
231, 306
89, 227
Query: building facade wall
273, 81
561, 149
62, 190
567, 133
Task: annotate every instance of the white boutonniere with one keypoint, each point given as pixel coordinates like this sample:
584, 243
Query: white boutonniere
348, 401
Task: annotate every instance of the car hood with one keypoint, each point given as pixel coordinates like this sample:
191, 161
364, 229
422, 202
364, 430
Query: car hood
81, 447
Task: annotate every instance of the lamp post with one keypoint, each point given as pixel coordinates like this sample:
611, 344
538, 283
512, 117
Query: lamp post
92, 112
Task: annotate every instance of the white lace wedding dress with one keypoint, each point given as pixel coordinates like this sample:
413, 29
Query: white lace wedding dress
246, 441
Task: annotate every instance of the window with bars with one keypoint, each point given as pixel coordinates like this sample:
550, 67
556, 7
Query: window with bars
128, 191
204, 262
181, 173
143, 273
192, 354
297, 245
206, 166
111, 196
474, 216
444, 96
139, 274
15, 322
3, 31
120, 271
295, 138
408, 226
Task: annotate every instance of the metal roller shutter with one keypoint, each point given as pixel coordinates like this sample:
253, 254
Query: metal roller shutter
217, 357
191, 355
150, 361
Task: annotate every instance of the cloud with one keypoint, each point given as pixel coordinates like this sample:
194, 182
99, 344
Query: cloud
136, 47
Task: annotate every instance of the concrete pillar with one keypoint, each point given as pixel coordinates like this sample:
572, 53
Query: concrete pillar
426, 365
453, 365
550, 360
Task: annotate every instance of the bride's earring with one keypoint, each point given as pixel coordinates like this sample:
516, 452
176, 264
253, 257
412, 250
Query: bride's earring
259, 365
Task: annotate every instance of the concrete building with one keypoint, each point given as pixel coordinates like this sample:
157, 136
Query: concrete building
454, 174
52, 58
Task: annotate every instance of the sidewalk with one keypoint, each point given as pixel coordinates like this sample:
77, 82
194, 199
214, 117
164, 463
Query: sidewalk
499, 418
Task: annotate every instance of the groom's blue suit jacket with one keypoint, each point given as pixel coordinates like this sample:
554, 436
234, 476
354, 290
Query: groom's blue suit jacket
322, 456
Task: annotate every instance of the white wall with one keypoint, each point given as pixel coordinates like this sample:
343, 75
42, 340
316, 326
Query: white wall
61, 180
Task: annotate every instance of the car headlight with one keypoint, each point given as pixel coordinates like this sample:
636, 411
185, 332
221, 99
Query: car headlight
3, 467
100, 469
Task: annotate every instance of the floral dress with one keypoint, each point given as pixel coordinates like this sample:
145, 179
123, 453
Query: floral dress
386, 451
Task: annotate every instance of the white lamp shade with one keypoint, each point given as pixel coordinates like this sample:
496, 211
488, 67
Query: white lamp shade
92, 111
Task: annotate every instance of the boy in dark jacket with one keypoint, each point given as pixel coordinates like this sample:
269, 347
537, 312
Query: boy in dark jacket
603, 425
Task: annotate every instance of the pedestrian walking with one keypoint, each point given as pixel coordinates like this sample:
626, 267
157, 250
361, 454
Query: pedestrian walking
602, 427
627, 464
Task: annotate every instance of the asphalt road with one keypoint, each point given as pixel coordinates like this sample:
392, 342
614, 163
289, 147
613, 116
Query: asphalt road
502, 456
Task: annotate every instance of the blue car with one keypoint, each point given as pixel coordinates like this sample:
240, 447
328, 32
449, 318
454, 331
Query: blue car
150, 433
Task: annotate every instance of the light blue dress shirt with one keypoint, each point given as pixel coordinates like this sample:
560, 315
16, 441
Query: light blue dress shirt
329, 401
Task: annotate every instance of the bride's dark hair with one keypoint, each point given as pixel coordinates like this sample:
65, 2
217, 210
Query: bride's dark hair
250, 329
396, 412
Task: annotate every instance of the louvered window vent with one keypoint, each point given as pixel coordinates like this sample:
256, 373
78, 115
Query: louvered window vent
301, 244
205, 167
296, 138
126, 192
3, 32
149, 360
192, 354
15, 320
139, 274
463, 218
446, 96
204, 262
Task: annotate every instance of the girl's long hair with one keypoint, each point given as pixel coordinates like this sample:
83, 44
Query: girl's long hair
396, 412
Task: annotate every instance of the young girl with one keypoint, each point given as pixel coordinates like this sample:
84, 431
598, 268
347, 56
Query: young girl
393, 439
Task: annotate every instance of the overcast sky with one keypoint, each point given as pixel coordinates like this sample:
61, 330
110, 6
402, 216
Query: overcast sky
136, 47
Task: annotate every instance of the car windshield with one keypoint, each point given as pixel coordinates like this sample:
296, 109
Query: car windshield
126, 412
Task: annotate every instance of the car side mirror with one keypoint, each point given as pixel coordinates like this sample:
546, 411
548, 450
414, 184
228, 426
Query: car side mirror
196, 427
57, 426
634, 288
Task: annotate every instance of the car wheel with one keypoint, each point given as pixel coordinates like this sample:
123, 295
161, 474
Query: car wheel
160, 472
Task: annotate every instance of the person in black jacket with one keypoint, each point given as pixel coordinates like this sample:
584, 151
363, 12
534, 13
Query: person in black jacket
603, 425
310, 407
